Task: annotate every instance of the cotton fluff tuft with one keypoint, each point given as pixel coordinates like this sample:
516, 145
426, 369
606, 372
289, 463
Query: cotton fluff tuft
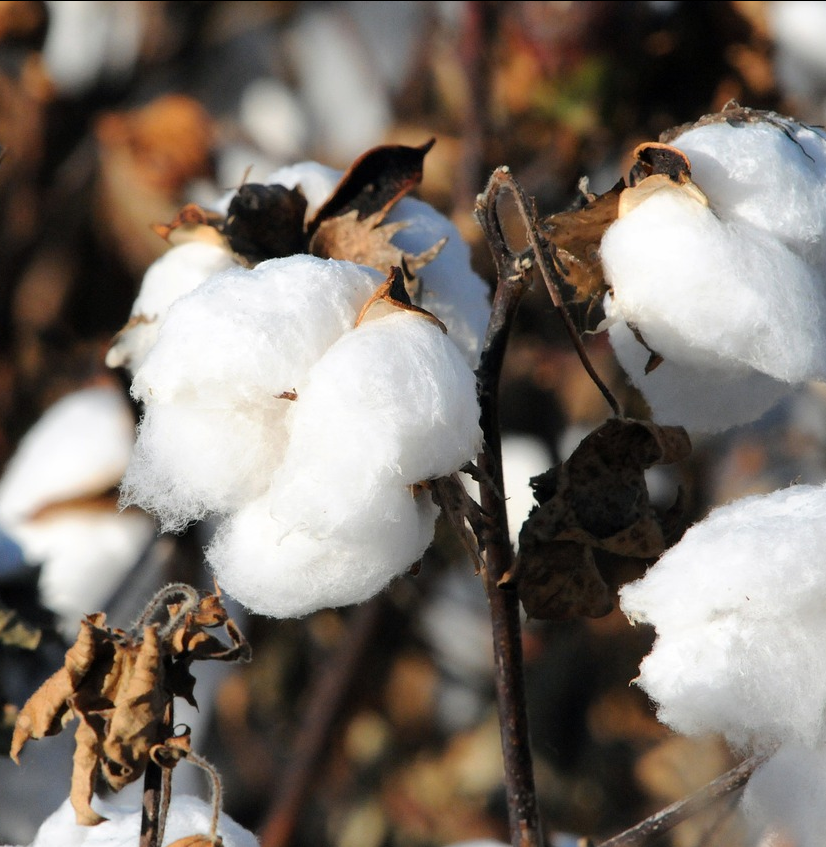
739, 607
272, 401
783, 800
215, 382
451, 289
177, 272
735, 288
187, 816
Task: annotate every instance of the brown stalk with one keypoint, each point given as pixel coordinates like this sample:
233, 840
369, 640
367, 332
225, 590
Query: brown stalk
676, 813
513, 281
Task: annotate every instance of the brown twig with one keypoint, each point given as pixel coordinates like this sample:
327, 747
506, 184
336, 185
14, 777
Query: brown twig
552, 277
325, 701
150, 818
513, 280
670, 816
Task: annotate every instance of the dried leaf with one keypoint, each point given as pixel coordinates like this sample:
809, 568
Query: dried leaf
577, 235
192, 223
266, 222
85, 767
596, 499
374, 183
392, 296
197, 841
15, 632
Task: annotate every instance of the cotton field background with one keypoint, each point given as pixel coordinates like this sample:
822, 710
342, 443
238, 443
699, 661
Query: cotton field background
374, 724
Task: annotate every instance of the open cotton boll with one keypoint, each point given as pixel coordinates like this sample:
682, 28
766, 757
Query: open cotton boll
187, 816
79, 447
191, 461
451, 289
250, 335
180, 270
783, 800
738, 605
770, 174
392, 402
295, 574
710, 396
699, 289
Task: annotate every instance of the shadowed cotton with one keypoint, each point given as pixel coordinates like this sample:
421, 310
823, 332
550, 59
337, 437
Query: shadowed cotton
739, 607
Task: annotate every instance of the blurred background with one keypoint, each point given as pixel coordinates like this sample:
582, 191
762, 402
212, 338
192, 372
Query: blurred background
375, 726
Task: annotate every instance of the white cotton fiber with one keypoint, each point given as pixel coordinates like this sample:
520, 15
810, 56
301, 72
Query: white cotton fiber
190, 462
450, 288
79, 447
187, 816
294, 575
739, 606
783, 800
698, 287
180, 270
393, 402
710, 396
769, 175
250, 335
736, 287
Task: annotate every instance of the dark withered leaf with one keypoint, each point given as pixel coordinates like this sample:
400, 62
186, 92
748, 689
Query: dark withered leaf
657, 158
577, 234
375, 182
266, 222
596, 499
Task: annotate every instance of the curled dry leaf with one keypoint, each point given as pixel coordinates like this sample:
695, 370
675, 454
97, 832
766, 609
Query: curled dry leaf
596, 499
121, 688
391, 296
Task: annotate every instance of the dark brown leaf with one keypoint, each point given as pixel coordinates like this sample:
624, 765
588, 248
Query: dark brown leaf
596, 499
374, 183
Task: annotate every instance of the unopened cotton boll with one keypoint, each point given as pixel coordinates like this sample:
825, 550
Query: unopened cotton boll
728, 279
295, 574
738, 605
177, 272
187, 816
451, 289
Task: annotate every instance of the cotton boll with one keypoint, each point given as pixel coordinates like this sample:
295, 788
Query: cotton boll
78, 448
250, 335
293, 575
391, 403
709, 397
180, 270
738, 605
191, 461
783, 800
700, 289
767, 174
187, 816
451, 289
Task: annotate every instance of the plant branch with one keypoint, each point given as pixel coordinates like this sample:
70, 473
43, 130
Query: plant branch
670, 816
513, 280
552, 277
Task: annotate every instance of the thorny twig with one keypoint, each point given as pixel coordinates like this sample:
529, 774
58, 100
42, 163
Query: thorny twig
670, 816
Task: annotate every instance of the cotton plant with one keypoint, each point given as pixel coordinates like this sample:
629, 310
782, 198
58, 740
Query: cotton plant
304, 398
715, 216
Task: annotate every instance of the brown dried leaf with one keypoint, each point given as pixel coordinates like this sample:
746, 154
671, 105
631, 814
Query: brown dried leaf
197, 841
85, 767
374, 183
596, 499
392, 296
577, 235
266, 222
15, 632
140, 704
